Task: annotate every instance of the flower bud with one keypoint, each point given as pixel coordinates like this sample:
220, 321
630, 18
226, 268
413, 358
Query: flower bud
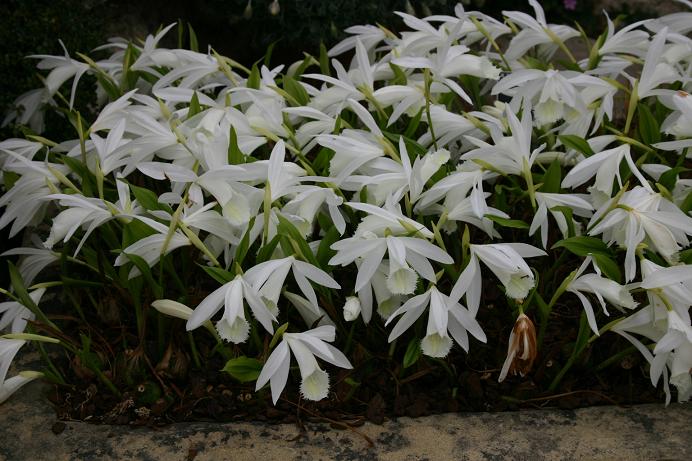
351, 308
522, 350
247, 13
274, 8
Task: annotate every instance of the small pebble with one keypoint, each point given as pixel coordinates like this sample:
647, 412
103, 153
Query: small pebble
58, 427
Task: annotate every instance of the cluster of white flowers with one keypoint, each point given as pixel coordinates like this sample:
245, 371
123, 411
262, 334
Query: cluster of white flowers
389, 169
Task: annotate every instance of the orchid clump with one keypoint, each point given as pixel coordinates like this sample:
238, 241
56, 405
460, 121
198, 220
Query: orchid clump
397, 182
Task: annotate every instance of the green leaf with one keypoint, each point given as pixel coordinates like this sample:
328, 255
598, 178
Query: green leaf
144, 268
324, 251
569, 218
583, 245
649, 130
194, 108
399, 75
220, 275
278, 334
324, 60
265, 253
552, 178
609, 267
235, 156
295, 89
686, 205
670, 177
10, 177
686, 256
270, 51
244, 245
504, 222
412, 353
307, 62
194, 44
253, 80
148, 199
19, 287
413, 125
244, 369
287, 228
577, 143
322, 160
134, 231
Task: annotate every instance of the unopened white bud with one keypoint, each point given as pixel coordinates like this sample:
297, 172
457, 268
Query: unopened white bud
351, 308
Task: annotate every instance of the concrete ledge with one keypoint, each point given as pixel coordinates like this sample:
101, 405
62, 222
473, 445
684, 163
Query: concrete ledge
600, 433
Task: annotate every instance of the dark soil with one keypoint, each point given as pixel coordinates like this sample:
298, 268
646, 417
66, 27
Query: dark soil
379, 387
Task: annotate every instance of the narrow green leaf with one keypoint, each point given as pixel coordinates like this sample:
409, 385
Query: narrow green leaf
266, 251
583, 245
287, 228
253, 80
148, 199
670, 177
399, 75
194, 45
296, 90
244, 369
569, 218
609, 267
195, 107
220, 275
552, 178
144, 268
235, 156
577, 143
324, 60
324, 251
504, 222
412, 353
649, 130
19, 287
244, 245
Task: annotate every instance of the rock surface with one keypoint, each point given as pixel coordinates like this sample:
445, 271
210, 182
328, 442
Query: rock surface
30, 432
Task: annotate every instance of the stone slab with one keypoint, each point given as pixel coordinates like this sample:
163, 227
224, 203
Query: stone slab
645, 432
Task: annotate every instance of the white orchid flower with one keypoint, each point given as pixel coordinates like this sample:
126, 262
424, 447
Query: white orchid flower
152, 247
643, 215
8, 350
535, 32
386, 301
668, 287
604, 289
352, 150
655, 72
305, 347
62, 68
605, 166
232, 326
268, 279
509, 154
408, 258
34, 260
16, 315
675, 353
506, 261
445, 317
547, 201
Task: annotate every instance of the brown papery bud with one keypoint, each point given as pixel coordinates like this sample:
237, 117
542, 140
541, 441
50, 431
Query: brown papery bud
522, 349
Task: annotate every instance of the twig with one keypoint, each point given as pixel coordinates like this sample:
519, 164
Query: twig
340, 424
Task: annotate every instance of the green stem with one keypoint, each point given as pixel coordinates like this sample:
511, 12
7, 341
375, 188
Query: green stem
631, 108
428, 82
193, 349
